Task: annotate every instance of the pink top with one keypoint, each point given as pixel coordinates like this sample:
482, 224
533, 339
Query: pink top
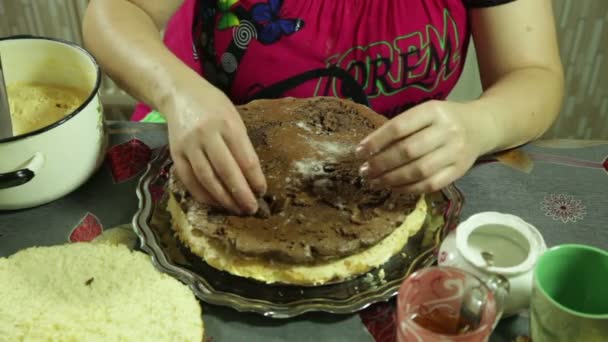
390, 55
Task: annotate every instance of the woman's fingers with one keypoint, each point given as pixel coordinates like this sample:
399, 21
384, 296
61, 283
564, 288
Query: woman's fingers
403, 151
208, 179
242, 150
206, 129
417, 170
227, 169
186, 175
396, 129
436, 182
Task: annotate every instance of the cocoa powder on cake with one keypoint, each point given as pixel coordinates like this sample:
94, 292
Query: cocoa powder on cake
317, 207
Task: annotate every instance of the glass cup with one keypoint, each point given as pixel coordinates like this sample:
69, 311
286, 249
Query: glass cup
449, 304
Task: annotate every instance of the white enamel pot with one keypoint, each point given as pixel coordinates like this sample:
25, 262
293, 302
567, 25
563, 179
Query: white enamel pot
44, 165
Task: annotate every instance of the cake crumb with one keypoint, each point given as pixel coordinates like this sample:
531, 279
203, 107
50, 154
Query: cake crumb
309, 167
263, 209
369, 278
304, 126
381, 276
331, 148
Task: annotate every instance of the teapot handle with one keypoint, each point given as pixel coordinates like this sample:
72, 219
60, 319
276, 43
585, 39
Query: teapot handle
500, 287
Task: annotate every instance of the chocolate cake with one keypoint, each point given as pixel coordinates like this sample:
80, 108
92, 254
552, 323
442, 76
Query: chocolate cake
317, 212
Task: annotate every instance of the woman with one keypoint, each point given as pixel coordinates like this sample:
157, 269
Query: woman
402, 57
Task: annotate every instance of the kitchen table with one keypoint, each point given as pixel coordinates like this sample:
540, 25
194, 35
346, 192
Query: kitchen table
558, 186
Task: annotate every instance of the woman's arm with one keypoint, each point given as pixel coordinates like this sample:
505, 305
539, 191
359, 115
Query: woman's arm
211, 151
520, 69
435, 143
124, 35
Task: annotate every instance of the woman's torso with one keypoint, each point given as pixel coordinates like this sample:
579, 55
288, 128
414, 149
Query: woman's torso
391, 54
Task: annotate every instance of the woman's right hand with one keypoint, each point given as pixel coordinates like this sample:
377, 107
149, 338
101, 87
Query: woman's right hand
208, 140
209, 145
212, 153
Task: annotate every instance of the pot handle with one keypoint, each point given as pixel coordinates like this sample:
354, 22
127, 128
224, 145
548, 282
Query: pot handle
25, 173
15, 178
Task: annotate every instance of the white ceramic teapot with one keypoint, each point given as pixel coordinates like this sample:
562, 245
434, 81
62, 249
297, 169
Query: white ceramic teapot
496, 243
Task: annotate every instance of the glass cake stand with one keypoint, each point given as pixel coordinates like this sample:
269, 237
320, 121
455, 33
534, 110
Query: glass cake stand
152, 224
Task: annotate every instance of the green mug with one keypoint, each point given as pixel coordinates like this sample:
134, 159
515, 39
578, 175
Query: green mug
570, 295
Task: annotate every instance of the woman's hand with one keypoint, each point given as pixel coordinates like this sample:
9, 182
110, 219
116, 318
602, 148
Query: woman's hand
425, 148
209, 145
212, 153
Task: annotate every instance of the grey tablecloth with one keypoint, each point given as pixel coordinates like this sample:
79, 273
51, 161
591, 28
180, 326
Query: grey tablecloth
558, 186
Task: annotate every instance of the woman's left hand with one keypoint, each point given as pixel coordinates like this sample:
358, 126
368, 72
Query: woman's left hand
425, 148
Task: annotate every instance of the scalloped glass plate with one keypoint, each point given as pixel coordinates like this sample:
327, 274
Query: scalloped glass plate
153, 226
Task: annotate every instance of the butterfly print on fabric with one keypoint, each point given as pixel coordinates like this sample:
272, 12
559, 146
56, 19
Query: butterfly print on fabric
271, 27
227, 18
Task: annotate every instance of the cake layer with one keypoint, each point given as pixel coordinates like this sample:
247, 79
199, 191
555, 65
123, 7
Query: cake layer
317, 206
93, 292
310, 274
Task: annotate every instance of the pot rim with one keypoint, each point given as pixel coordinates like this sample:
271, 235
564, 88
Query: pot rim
77, 110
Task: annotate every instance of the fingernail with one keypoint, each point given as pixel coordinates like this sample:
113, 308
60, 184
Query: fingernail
364, 170
252, 208
261, 191
375, 184
360, 151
